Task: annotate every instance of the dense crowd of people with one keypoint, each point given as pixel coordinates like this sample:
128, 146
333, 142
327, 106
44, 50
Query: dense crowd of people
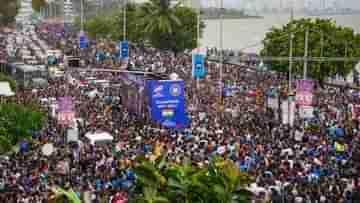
315, 160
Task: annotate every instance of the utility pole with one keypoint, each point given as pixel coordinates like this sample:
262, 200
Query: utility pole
198, 36
291, 60
292, 11
290, 76
198, 27
50, 9
54, 9
198, 5
124, 20
306, 52
290, 64
221, 47
322, 45
82, 14
346, 53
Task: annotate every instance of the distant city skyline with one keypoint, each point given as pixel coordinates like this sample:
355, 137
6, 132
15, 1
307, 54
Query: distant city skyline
298, 4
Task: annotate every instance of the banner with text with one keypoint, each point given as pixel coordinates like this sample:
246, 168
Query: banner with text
167, 102
66, 110
304, 97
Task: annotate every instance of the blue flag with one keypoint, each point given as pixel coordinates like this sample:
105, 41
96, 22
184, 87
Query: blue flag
198, 67
124, 49
82, 40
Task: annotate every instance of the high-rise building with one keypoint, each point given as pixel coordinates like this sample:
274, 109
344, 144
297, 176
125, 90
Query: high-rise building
25, 12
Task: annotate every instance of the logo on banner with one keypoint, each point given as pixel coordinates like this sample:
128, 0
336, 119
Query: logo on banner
175, 90
157, 92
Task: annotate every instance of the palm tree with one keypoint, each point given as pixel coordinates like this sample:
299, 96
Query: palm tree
157, 16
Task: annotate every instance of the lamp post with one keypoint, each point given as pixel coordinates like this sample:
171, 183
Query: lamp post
290, 94
82, 14
124, 19
198, 37
306, 52
221, 47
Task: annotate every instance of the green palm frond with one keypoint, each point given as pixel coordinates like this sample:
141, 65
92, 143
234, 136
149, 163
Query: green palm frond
70, 195
148, 175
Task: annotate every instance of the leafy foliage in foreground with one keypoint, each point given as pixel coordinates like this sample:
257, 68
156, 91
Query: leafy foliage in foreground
63, 196
219, 181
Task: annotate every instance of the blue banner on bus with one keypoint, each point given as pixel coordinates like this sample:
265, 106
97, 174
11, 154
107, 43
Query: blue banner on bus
167, 102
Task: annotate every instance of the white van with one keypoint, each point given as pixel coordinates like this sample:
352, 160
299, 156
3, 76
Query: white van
99, 138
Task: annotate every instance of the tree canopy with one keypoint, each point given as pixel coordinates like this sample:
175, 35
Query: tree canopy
156, 22
37, 4
337, 42
17, 122
219, 181
8, 11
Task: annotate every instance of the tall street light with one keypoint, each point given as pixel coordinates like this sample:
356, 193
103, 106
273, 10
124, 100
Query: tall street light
198, 33
221, 47
124, 20
289, 100
82, 15
291, 46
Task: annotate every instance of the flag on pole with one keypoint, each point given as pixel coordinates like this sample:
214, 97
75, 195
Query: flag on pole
201, 51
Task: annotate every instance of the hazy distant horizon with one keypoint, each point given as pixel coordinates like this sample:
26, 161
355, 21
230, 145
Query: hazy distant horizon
258, 4
355, 4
